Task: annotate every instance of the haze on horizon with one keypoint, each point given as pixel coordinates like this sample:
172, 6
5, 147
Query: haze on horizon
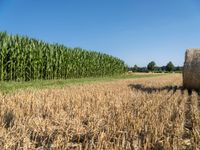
135, 31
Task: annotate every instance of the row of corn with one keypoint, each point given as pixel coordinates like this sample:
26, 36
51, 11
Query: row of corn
24, 59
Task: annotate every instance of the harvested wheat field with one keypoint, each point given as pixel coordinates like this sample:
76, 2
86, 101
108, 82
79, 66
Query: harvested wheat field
146, 113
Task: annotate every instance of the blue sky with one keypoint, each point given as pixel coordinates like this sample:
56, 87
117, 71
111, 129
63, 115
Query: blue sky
136, 31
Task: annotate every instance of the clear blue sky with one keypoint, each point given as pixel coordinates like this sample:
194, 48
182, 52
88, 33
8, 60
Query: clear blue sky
136, 31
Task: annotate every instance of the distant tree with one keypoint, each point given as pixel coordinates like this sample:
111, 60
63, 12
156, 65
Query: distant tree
170, 67
158, 69
130, 69
163, 68
135, 68
178, 68
151, 66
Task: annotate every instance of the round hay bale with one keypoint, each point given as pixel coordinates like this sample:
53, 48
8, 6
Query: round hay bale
191, 69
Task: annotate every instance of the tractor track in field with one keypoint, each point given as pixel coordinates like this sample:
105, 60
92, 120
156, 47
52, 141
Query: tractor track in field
188, 123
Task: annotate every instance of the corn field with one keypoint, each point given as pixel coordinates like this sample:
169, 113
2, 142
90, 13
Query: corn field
153, 113
23, 59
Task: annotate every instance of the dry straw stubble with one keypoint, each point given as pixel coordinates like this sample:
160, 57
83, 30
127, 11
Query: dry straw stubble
129, 114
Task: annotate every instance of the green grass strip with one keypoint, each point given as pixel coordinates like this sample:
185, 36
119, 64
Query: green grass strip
11, 86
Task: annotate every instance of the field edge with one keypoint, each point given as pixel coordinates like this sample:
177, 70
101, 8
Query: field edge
11, 86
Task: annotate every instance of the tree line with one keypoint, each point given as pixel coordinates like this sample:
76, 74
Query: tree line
152, 67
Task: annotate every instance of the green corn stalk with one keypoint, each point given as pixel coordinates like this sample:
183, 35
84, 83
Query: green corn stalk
23, 58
